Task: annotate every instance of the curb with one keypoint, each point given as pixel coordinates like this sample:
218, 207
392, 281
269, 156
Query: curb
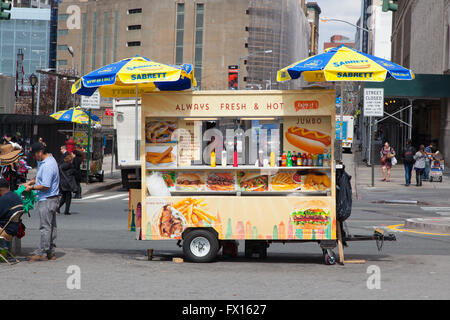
441, 225
103, 187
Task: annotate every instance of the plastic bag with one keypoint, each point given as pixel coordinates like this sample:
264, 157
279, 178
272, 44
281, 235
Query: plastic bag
394, 161
156, 185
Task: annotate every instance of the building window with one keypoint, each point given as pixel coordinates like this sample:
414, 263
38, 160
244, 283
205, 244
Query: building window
198, 54
180, 34
134, 11
62, 47
62, 63
134, 27
63, 17
133, 44
63, 32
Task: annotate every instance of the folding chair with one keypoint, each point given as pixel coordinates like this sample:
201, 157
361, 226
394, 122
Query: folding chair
15, 217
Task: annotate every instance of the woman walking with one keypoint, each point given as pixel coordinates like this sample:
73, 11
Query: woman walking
386, 155
67, 182
419, 165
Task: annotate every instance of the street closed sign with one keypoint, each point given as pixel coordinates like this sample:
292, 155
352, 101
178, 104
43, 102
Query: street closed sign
373, 102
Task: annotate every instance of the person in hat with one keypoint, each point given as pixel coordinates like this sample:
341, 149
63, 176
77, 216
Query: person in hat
8, 200
9, 156
46, 184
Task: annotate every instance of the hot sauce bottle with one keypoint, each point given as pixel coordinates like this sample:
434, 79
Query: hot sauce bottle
235, 156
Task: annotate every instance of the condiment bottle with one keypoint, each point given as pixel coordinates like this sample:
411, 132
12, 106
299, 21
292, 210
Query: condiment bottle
289, 159
320, 160
284, 159
310, 160
213, 158
224, 158
294, 159
235, 157
272, 159
315, 160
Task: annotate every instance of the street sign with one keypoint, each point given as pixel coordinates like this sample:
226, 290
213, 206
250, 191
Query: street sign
109, 112
92, 102
373, 102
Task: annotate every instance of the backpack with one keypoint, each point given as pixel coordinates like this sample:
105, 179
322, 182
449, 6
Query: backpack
343, 195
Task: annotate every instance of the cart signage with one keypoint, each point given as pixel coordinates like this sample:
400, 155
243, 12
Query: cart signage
214, 159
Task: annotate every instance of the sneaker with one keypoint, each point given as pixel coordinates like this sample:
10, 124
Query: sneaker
37, 257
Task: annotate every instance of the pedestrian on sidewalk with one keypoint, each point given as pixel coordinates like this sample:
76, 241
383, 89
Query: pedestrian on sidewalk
386, 155
408, 161
47, 185
419, 164
77, 165
67, 183
429, 151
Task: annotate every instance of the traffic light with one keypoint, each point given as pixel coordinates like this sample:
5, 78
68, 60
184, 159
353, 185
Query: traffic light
5, 6
389, 6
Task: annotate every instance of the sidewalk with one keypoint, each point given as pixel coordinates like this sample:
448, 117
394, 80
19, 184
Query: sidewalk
430, 194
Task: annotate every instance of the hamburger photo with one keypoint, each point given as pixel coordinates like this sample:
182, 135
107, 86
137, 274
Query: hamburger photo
190, 181
220, 181
311, 215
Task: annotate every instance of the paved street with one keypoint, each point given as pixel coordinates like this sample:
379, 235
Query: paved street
113, 265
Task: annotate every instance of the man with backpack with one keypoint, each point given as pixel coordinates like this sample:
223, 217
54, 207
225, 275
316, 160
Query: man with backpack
408, 161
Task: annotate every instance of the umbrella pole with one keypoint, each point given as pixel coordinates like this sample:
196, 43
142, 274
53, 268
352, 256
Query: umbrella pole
136, 130
88, 149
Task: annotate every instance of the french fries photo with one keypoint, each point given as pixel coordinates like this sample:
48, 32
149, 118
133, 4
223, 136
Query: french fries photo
194, 211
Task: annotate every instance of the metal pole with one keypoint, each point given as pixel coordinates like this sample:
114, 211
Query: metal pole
372, 148
410, 119
112, 155
56, 90
136, 129
88, 149
39, 86
32, 114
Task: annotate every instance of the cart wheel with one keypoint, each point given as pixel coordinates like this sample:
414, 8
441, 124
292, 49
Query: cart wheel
101, 177
329, 257
440, 179
200, 246
431, 179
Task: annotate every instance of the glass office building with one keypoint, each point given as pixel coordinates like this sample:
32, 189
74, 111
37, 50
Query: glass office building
28, 30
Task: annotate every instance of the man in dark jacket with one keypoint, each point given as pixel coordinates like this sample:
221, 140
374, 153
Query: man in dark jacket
8, 200
408, 161
77, 161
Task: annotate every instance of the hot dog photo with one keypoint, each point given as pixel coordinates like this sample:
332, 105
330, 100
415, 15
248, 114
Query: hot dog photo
308, 134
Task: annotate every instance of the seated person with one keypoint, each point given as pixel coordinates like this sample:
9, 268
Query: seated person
8, 200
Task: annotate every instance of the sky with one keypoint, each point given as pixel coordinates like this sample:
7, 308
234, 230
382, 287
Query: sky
348, 10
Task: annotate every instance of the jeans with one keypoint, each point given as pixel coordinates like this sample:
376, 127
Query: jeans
426, 170
408, 171
419, 173
47, 225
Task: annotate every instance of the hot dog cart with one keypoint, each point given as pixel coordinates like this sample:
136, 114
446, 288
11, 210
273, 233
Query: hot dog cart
237, 165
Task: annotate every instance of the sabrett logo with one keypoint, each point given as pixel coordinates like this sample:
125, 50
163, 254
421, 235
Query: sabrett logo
145, 76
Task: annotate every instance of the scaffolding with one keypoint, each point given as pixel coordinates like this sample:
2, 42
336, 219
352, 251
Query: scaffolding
280, 26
